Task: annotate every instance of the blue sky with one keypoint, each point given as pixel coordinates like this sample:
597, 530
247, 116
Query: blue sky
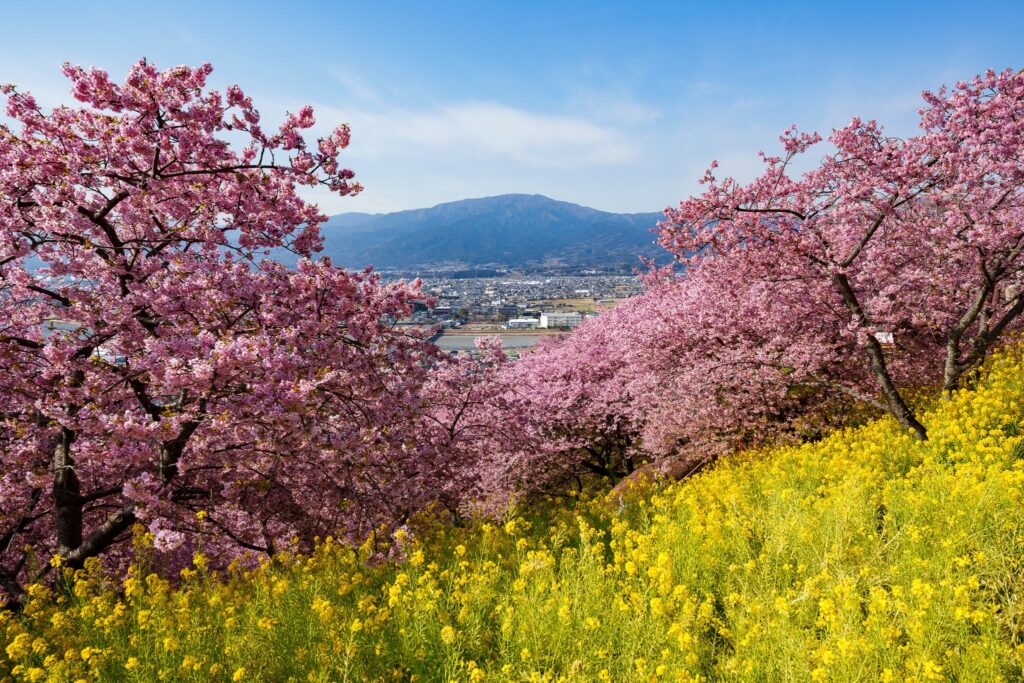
619, 106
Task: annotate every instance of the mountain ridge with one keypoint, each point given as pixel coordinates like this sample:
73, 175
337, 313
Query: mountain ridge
504, 230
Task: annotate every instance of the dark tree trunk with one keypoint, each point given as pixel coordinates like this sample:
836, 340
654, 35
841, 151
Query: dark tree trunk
957, 365
67, 495
893, 399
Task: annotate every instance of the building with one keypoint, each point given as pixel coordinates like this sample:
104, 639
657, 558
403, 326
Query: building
523, 323
507, 309
570, 320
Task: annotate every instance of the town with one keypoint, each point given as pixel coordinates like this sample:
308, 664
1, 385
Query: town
512, 299
522, 309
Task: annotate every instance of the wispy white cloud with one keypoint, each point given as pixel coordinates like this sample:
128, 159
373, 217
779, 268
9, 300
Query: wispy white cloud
354, 85
643, 154
485, 131
613, 104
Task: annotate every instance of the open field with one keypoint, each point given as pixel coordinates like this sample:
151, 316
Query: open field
581, 304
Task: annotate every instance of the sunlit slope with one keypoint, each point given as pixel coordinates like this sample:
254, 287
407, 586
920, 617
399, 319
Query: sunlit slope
867, 556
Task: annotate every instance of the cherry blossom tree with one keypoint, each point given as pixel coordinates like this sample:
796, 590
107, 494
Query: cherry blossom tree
571, 410
660, 385
917, 239
155, 368
804, 301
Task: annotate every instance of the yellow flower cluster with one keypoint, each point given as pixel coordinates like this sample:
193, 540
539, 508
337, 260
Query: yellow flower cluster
866, 556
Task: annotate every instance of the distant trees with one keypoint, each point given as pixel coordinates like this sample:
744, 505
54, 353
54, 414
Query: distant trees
154, 370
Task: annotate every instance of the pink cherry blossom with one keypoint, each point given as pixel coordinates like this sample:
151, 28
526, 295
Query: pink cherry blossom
153, 366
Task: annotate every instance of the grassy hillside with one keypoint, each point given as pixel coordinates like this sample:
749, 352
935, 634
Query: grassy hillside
867, 556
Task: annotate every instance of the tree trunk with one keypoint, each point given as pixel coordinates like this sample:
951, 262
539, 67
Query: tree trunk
67, 495
673, 468
15, 600
955, 367
897, 406
103, 536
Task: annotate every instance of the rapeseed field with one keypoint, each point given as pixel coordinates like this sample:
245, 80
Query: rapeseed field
866, 556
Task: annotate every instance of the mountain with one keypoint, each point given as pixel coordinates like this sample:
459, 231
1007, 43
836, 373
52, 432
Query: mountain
507, 230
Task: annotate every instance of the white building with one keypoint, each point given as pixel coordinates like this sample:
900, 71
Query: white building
523, 323
570, 320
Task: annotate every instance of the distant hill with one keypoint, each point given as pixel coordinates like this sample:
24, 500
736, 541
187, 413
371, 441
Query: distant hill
507, 230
